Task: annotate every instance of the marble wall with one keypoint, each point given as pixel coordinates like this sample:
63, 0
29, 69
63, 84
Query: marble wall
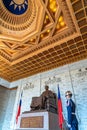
7, 100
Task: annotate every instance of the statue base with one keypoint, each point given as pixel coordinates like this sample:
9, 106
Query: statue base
38, 120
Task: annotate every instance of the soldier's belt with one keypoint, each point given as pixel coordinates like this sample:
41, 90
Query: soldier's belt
73, 113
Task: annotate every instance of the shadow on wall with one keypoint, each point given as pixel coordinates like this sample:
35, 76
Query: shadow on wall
4, 98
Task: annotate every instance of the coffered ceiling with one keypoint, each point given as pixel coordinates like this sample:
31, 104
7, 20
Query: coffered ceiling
39, 35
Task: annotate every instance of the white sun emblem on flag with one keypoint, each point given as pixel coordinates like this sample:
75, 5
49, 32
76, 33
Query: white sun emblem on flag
18, 4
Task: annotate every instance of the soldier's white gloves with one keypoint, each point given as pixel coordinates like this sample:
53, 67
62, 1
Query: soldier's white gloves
69, 126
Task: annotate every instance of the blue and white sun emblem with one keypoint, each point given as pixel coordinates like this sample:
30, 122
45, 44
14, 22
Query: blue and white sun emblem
17, 7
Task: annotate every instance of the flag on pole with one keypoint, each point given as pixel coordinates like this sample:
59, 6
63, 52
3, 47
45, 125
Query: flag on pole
19, 108
60, 110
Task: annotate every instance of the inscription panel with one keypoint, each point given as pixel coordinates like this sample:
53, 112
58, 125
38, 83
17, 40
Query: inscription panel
32, 122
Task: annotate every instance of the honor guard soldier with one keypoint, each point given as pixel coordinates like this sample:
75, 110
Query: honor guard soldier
72, 120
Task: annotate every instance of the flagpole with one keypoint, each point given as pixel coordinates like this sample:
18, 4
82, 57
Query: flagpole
19, 103
13, 125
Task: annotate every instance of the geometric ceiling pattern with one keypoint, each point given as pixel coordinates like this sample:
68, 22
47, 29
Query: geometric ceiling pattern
36, 36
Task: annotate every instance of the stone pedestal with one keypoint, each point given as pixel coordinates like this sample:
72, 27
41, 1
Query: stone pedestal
38, 120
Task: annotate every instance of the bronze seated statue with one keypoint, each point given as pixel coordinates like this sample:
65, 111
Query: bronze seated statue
47, 100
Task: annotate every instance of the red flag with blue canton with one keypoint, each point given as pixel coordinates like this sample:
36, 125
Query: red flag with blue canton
60, 110
19, 108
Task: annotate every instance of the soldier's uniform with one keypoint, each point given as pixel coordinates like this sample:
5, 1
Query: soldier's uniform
72, 120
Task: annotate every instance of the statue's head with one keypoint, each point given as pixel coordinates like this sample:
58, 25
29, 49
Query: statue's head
46, 87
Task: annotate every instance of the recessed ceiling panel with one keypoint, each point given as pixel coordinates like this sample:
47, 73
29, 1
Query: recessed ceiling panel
39, 35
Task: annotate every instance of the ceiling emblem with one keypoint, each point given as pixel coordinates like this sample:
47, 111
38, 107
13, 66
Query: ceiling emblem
17, 7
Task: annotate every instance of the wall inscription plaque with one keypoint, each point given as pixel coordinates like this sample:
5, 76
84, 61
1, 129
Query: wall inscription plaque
32, 122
